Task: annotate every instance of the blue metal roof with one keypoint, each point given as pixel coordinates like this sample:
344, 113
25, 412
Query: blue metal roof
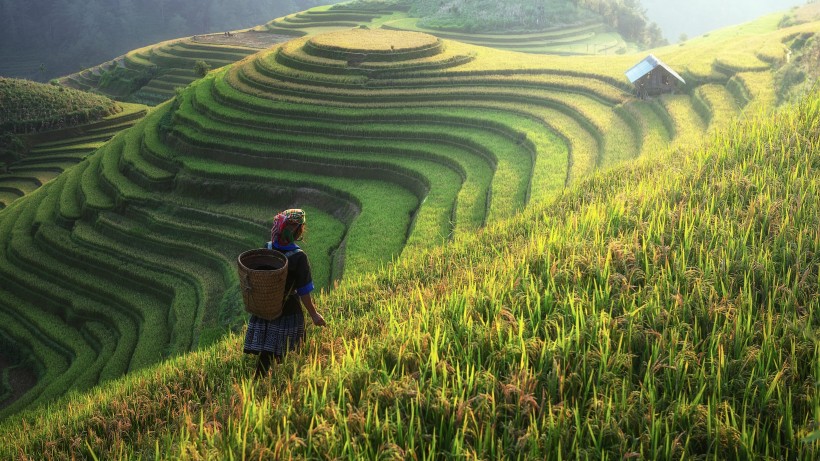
644, 67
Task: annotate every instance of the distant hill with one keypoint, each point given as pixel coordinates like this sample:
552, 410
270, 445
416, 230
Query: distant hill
43, 39
695, 17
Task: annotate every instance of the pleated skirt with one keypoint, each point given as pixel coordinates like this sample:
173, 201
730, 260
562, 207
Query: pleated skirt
278, 336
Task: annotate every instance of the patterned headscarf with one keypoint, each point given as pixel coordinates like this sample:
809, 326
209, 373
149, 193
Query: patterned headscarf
285, 223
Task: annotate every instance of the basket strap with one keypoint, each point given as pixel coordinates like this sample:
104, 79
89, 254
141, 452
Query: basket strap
288, 255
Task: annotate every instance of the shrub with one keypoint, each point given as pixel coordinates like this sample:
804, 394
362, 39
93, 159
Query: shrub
12, 149
201, 68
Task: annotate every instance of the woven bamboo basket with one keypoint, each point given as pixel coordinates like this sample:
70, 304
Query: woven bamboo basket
262, 277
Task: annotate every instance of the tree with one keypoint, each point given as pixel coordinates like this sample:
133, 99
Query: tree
12, 149
201, 68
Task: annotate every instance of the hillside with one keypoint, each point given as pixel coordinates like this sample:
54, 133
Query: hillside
28, 107
45, 129
127, 258
661, 310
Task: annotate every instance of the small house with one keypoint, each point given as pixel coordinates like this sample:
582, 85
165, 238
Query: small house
652, 77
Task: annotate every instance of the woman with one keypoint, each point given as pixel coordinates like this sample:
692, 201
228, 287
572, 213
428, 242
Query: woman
273, 338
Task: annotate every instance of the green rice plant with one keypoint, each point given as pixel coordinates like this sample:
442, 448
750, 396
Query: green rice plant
389, 226
20, 268
20, 183
190, 293
761, 87
209, 52
468, 172
162, 56
160, 87
94, 197
649, 309
327, 227
79, 150
48, 209
581, 84
50, 339
587, 86
139, 59
689, 126
86, 140
111, 179
518, 98
377, 96
653, 133
143, 173
720, 104
356, 16
71, 201
440, 184
87, 295
61, 162
292, 54
400, 139
38, 175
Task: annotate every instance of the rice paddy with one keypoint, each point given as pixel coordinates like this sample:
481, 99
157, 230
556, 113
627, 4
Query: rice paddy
634, 316
607, 328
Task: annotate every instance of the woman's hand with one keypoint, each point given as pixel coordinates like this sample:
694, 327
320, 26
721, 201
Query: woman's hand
318, 320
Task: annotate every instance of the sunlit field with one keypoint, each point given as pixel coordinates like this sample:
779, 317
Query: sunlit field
518, 257
654, 311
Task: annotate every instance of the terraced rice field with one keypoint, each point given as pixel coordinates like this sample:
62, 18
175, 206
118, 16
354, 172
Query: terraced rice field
333, 17
20, 65
152, 75
55, 151
129, 256
593, 38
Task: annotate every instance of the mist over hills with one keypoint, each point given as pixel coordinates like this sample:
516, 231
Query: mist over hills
696, 17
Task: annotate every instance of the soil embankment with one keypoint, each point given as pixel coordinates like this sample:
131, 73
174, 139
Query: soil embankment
16, 380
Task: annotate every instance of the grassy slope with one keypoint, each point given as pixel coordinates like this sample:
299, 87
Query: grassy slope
27, 106
663, 309
52, 152
558, 64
